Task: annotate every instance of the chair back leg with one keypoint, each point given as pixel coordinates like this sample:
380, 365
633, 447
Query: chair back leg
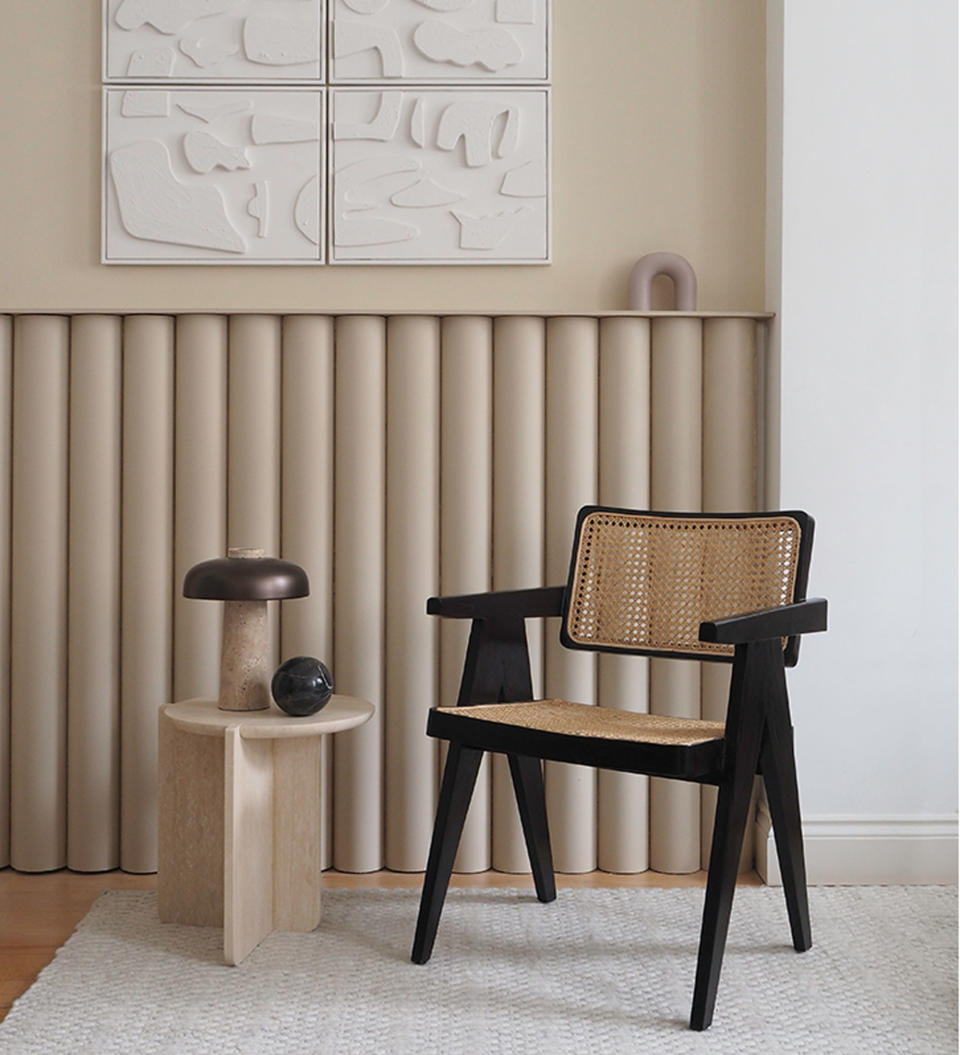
532, 805
459, 778
779, 771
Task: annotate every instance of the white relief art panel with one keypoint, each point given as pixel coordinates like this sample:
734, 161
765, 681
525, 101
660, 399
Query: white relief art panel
439, 40
210, 175
430, 175
204, 41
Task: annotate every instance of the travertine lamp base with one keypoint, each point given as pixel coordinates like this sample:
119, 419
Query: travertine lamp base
244, 669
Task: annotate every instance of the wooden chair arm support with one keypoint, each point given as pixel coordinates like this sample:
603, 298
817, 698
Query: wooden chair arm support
802, 617
503, 604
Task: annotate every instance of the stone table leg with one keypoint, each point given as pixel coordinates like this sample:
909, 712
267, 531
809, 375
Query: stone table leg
190, 823
272, 878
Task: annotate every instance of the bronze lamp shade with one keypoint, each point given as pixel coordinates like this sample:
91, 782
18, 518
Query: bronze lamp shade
246, 579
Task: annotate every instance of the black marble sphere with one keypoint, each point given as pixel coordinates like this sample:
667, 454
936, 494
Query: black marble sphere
301, 686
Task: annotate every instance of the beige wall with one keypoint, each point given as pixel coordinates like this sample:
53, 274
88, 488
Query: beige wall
658, 143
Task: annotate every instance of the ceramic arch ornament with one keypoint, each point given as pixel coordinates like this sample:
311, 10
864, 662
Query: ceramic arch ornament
675, 267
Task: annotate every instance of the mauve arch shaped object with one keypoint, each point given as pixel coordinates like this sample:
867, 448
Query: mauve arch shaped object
674, 266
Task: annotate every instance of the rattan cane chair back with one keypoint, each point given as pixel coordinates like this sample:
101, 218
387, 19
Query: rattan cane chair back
644, 582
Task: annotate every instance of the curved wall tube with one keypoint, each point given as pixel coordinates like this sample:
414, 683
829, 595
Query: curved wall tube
253, 444
359, 580
412, 575
466, 445
200, 496
307, 496
93, 613
624, 463
730, 457
38, 591
6, 407
571, 470
676, 381
519, 409
146, 635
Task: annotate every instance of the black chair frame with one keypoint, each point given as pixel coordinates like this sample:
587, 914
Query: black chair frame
758, 739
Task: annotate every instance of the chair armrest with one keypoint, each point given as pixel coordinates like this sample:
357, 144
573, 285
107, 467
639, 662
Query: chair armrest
802, 617
524, 604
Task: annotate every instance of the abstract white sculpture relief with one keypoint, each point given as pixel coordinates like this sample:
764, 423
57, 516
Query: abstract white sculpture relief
154, 205
205, 152
196, 186
432, 191
207, 53
167, 16
244, 41
522, 12
259, 206
151, 62
145, 104
278, 42
440, 41
435, 150
494, 49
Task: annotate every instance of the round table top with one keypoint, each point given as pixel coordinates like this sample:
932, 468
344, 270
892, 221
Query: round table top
205, 718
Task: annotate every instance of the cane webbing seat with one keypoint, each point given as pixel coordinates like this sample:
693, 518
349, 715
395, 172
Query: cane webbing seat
645, 583
604, 723
563, 731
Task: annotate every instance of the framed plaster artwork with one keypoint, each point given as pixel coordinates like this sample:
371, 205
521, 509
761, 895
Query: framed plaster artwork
326, 131
439, 41
214, 175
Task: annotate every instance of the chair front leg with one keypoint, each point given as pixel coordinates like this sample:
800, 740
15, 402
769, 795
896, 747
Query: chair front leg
730, 822
532, 804
753, 671
459, 778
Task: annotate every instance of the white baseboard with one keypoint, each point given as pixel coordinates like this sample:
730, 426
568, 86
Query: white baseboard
867, 850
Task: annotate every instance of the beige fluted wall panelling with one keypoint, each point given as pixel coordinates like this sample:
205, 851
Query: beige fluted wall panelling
412, 574
394, 457
466, 456
200, 496
6, 403
307, 496
359, 598
93, 591
624, 464
519, 417
38, 587
571, 482
146, 637
675, 484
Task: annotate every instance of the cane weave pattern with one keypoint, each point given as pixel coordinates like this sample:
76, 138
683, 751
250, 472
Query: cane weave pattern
604, 723
646, 582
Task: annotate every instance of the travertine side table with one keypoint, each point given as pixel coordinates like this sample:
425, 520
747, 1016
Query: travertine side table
239, 817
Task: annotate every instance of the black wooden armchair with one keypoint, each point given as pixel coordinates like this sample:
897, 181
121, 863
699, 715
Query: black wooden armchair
724, 588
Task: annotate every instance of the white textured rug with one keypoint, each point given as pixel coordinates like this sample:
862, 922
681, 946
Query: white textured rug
600, 971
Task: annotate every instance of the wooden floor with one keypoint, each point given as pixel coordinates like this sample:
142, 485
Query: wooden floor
39, 912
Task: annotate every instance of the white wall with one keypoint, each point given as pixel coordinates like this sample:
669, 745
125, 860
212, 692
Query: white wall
862, 270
